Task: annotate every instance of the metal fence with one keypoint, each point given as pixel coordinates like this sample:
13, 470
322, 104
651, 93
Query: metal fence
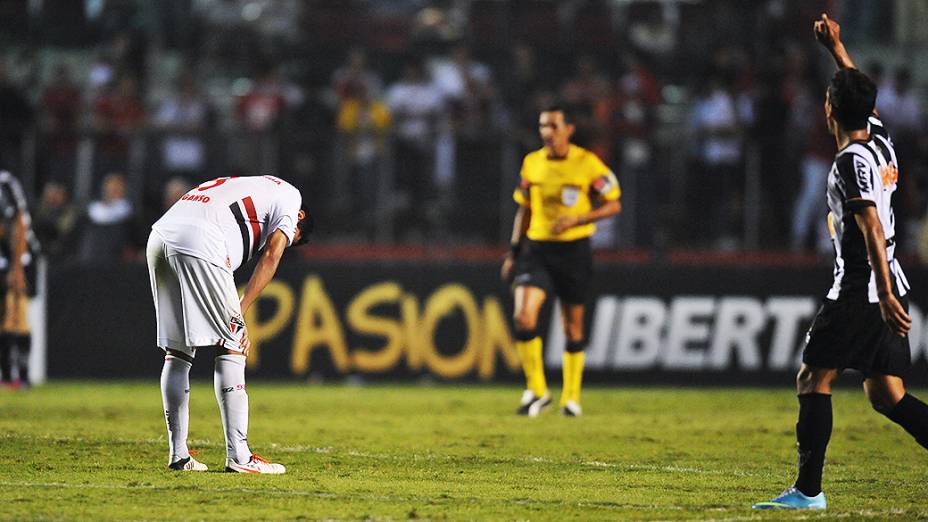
391, 199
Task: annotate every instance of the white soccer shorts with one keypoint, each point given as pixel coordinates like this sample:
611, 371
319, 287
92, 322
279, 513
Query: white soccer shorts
196, 302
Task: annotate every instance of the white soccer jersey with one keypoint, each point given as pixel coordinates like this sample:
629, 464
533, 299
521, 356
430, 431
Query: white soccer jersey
226, 221
864, 173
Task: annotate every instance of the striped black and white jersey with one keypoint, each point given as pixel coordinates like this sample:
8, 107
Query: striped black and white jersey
864, 173
12, 202
226, 221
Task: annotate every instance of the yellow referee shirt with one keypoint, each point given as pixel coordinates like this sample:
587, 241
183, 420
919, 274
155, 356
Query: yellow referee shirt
563, 187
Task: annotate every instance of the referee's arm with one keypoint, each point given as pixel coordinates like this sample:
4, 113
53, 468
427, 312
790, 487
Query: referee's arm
607, 209
893, 313
519, 226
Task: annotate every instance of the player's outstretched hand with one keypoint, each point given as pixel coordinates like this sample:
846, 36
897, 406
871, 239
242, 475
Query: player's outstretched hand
894, 315
827, 32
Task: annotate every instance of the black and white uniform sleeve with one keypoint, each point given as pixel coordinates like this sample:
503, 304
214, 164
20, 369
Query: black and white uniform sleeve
859, 179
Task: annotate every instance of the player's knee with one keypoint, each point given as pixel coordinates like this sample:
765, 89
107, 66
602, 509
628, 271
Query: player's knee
525, 322
811, 380
575, 334
803, 379
881, 403
178, 354
575, 346
882, 399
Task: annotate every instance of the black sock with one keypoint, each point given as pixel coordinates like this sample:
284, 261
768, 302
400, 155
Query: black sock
24, 346
912, 415
6, 359
813, 432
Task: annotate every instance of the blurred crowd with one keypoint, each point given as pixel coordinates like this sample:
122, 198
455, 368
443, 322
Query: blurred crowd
405, 121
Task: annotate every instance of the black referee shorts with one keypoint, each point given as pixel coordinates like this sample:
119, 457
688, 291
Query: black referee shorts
566, 267
851, 334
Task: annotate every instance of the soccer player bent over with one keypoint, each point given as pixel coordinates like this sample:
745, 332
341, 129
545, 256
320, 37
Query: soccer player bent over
863, 322
192, 252
551, 251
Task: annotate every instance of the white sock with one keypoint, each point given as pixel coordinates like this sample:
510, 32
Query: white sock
229, 381
175, 395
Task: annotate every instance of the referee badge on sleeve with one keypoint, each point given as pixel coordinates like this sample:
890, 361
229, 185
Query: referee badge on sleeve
569, 195
604, 184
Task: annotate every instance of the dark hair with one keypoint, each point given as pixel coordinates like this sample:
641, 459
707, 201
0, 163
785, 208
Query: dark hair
852, 95
557, 107
306, 225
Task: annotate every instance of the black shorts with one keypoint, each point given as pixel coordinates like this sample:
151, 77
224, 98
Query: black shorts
851, 334
563, 266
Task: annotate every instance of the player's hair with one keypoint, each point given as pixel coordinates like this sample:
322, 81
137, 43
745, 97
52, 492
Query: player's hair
852, 95
557, 107
306, 225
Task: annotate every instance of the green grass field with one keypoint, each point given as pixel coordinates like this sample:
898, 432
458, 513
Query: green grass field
91, 451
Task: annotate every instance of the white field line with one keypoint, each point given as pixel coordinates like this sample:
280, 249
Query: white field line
669, 469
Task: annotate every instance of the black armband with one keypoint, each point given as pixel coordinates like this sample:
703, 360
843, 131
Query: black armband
515, 248
858, 204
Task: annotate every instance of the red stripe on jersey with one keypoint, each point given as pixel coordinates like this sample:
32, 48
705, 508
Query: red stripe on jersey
255, 224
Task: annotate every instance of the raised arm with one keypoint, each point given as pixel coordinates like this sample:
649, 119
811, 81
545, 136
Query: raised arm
828, 33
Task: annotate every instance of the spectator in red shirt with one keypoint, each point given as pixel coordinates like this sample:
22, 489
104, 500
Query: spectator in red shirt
263, 107
61, 106
118, 114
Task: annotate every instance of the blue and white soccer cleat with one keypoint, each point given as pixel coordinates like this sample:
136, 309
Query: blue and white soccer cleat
792, 498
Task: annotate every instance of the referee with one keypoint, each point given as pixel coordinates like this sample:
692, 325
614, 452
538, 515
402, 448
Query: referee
564, 189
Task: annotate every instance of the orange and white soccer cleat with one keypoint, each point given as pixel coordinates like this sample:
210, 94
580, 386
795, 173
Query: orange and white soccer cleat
255, 465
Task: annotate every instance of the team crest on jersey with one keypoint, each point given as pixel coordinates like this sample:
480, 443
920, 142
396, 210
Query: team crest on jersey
569, 195
890, 175
236, 325
863, 174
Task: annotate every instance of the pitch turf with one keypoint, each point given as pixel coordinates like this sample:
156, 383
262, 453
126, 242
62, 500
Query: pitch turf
91, 451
